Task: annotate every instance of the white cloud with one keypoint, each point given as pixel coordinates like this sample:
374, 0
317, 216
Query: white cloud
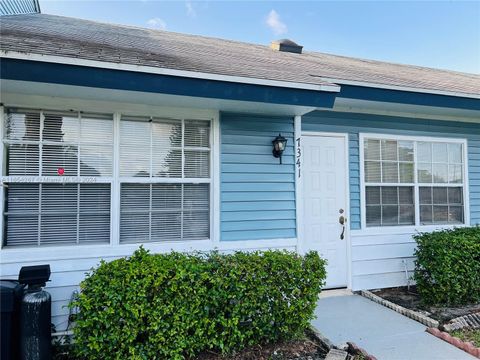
157, 23
273, 22
190, 9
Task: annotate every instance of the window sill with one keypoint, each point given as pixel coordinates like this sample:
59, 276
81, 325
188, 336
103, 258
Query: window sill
11, 255
45, 254
399, 230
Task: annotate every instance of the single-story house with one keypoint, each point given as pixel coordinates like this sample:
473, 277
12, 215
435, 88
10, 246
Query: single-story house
116, 136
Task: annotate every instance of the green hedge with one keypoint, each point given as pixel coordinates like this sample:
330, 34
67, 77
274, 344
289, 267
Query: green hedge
447, 269
172, 306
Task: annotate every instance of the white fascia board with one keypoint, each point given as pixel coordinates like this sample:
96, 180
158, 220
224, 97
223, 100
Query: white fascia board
165, 71
399, 88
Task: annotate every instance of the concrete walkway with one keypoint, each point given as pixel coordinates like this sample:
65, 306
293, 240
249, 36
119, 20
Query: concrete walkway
380, 331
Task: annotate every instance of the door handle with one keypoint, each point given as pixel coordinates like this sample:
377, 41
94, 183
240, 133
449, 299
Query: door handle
342, 220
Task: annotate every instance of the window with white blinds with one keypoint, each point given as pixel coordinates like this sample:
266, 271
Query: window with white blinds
59, 171
413, 182
165, 179
57, 214
158, 212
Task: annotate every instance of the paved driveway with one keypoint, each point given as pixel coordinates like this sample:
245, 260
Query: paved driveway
382, 332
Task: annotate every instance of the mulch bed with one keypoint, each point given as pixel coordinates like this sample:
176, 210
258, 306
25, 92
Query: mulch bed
411, 300
305, 349
309, 348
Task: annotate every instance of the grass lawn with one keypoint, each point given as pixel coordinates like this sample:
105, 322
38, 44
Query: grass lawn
468, 335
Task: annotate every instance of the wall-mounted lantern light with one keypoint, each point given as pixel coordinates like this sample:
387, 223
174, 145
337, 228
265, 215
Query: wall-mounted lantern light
279, 145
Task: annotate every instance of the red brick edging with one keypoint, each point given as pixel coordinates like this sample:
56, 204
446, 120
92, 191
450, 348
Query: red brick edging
353, 348
465, 346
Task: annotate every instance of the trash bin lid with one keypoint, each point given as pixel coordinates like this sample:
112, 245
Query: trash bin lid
8, 288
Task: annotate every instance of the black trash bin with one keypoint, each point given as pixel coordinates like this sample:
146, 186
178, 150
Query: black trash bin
35, 314
11, 293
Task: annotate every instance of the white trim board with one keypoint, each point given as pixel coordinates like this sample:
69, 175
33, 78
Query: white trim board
215, 180
165, 71
402, 230
417, 226
298, 180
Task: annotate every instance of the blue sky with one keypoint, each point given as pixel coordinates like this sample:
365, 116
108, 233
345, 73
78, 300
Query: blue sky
443, 34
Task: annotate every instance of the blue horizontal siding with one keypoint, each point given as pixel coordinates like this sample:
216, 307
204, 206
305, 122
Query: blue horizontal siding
258, 234
257, 194
353, 124
253, 159
255, 168
258, 187
265, 177
257, 205
253, 149
259, 215
259, 225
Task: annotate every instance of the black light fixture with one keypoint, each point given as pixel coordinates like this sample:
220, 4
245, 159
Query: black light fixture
279, 145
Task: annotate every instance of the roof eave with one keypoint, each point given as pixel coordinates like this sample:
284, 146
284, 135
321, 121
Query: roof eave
166, 71
400, 88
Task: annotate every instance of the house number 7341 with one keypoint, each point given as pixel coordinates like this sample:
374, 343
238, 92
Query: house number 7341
299, 157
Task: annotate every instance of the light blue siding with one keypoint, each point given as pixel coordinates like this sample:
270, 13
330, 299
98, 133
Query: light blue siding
353, 124
381, 259
257, 194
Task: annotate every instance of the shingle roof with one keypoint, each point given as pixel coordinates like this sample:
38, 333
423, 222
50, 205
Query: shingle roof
77, 38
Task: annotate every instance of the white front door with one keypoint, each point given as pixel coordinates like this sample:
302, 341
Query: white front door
325, 202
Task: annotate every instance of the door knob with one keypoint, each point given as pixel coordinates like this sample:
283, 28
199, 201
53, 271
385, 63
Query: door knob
342, 220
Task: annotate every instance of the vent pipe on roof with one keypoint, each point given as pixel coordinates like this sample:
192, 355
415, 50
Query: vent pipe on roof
286, 45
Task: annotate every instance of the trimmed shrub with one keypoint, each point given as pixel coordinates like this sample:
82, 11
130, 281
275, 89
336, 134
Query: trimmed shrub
172, 306
447, 268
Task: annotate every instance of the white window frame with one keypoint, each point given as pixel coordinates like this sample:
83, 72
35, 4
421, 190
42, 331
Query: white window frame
417, 225
49, 179
119, 180
2, 170
114, 248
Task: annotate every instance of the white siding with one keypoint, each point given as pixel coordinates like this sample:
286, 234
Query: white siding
378, 259
69, 265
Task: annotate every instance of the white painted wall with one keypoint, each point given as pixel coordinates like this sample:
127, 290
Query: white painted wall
377, 259
379, 256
